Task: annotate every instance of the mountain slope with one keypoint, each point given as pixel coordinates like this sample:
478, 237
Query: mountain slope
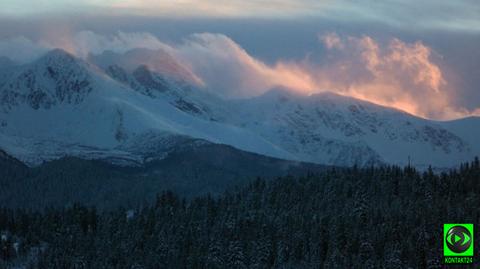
338, 129
467, 129
107, 109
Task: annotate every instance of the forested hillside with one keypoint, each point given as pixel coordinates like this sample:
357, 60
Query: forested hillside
189, 173
388, 217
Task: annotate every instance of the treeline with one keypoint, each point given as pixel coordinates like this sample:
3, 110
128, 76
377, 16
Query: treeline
387, 217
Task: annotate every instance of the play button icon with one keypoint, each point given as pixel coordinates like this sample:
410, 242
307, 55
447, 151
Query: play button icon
458, 239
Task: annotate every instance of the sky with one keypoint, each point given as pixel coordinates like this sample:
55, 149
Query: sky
418, 56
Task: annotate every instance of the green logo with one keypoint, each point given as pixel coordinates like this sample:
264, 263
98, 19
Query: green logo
457, 241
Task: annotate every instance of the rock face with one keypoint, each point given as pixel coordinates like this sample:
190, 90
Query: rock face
107, 108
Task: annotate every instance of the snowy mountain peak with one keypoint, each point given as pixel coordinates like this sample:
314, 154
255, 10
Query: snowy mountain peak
57, 77
58, 55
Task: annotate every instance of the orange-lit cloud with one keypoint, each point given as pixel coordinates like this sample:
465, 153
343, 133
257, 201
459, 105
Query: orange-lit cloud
406, 76
397, 74
230, 71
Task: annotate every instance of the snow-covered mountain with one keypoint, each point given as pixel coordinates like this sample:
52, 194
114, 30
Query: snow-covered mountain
335, 129
60, 105
123, 108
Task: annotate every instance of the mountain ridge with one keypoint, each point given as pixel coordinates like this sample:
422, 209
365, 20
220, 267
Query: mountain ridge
60, 105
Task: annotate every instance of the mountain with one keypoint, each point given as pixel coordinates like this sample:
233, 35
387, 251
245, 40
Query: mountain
59, 106
334, 129
141, 106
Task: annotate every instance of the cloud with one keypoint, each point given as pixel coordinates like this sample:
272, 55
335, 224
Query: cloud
177, 8
230, 71
85, 42
407, 76
214, 60
89, 42
331, 41
459, 15
397, 74
21, 49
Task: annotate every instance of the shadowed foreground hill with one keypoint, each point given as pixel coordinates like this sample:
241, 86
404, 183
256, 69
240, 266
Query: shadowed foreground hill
190, 172
387, 217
